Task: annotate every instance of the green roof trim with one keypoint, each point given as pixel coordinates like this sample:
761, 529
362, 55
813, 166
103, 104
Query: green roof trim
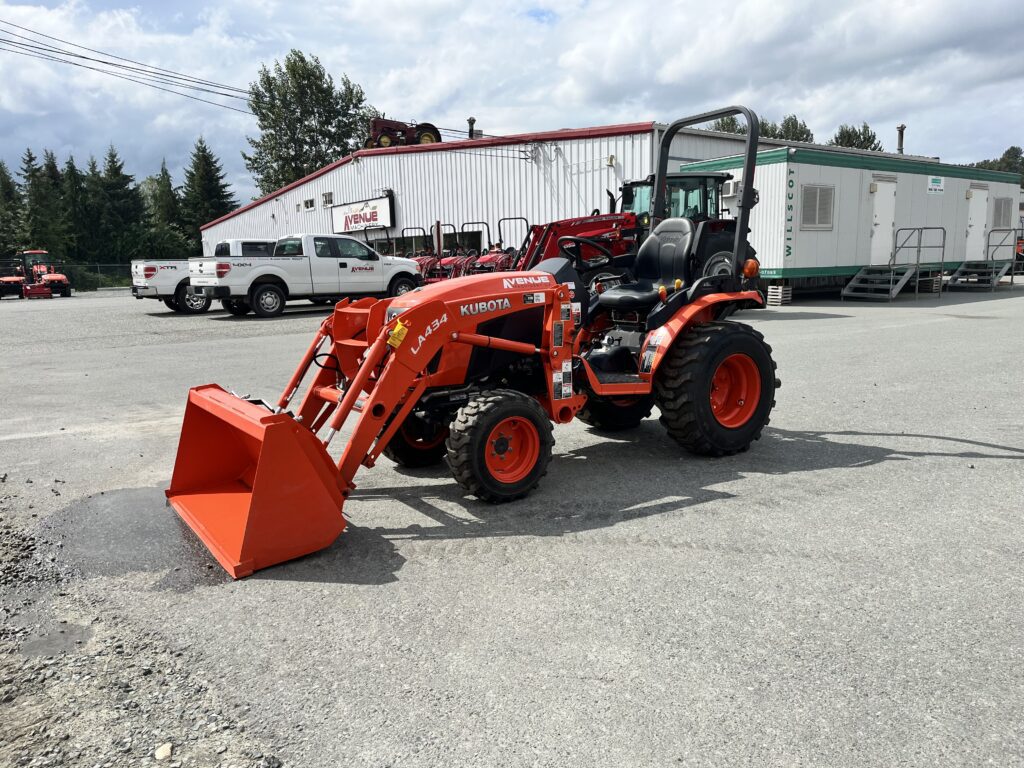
864, 162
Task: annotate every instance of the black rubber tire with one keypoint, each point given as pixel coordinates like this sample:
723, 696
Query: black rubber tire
406, 450
682, 388
467, 443
236, 307
400, 284
721, 263
606, 415
171, 304
189, 305
266, 300
65, 291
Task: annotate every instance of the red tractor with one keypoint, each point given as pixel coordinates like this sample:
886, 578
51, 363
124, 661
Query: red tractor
32, 275
475, 371
390, 133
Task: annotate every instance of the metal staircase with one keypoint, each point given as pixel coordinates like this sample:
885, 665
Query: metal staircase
1000, 256
884, 282
879, 283
978, 275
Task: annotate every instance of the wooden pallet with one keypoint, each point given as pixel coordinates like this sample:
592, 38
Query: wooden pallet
778, 295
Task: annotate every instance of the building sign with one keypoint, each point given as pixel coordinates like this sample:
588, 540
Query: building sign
936, 185
376, 213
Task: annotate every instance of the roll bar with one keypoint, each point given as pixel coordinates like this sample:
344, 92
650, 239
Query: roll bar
748, 196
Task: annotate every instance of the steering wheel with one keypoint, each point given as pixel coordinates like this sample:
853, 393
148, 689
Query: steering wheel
565, 242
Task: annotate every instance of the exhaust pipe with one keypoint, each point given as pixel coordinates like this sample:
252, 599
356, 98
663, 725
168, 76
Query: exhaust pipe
899, 138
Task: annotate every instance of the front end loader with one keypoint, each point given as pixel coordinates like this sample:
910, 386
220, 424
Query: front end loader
475, 372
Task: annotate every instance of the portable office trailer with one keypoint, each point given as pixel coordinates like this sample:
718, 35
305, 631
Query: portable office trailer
823, 214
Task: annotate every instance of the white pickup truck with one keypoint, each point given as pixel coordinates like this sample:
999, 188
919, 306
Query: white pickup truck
320, 268
167, 280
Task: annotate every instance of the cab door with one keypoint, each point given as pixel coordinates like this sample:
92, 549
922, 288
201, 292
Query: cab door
359, 267
324, 267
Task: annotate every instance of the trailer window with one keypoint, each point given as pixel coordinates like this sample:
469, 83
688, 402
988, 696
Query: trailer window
1002, 213
816, 203
222, 249
256, 250
289, 246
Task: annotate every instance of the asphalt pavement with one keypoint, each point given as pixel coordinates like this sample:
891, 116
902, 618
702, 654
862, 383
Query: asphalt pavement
848, 592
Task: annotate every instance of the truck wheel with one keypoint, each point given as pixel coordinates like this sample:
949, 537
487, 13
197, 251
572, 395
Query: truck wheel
171, 304
417, 443
190, 304
267, 300
614, 414
236, 307
401, 284
716, 388
500, 445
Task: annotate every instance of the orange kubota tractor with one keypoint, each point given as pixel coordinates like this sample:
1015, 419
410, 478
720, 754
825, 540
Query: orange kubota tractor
475, 371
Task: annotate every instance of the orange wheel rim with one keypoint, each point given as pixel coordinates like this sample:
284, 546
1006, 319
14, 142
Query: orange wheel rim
735, 390
512, 449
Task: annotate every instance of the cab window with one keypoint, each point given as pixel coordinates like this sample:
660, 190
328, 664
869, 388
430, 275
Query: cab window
352, 249
322, 246
222, 249
289, 246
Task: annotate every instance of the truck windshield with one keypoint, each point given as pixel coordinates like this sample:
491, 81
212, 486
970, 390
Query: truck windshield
288, 246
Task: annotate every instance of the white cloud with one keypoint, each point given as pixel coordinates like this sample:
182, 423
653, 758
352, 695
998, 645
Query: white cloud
952, 71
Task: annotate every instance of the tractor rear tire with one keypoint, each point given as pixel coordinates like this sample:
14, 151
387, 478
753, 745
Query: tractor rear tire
190, 304
500, 445
612, 416
236, 307
417, 443
716, 388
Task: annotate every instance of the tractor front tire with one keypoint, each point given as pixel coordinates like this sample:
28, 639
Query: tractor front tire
716, 388
499, 446
417, 443
613, 415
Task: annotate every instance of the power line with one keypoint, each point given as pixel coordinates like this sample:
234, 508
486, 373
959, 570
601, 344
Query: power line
120, 58
45, 57
54, 54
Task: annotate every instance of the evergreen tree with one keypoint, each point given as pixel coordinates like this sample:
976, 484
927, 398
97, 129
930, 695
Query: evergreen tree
121, 223
793, 128
91, 238
767, 129
42, 219
10, 213
205, 195
856, 138
305, 121
162, 202
728, 124
73, 206
1012, 161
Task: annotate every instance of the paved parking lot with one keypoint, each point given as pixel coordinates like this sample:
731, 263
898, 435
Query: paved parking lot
848, 592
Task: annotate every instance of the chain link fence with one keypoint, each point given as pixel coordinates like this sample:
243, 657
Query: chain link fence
90, 277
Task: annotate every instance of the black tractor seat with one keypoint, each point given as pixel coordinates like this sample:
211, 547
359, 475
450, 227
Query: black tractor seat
661, 260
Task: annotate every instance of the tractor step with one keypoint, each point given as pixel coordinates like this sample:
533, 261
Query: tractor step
614, 377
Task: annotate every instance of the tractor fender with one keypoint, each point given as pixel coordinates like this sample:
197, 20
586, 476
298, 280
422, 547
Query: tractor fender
699, 311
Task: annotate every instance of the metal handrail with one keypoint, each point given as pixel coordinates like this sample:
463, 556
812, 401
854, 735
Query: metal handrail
917, 247
990, 249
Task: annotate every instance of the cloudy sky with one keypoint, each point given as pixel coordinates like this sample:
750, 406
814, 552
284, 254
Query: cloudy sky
952, 71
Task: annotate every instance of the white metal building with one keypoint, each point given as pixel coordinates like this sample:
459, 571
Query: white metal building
540, 176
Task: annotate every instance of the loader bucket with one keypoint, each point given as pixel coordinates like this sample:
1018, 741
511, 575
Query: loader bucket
256, 487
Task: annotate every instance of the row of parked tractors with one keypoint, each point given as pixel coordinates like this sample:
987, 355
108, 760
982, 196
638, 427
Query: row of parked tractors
33, 275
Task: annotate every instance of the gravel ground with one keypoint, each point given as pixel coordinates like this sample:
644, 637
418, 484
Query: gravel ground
846, 593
